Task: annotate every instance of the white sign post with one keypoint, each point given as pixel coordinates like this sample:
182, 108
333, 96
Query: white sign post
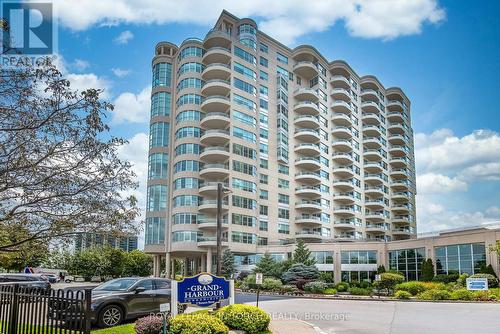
477, 284
259, 277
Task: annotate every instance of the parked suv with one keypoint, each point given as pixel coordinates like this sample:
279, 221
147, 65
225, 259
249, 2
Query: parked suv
32, 280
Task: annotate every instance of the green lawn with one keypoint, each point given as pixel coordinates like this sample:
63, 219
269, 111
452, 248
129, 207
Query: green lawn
123, 329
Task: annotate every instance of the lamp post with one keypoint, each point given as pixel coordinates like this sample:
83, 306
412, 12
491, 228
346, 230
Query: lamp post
221, 193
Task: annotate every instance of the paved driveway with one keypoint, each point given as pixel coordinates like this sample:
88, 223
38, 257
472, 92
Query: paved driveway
374, 317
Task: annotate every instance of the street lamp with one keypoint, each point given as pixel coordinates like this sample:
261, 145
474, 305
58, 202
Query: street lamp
221, 193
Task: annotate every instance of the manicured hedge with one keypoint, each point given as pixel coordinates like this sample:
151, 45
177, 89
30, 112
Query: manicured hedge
401, 294
197, 323
249, 318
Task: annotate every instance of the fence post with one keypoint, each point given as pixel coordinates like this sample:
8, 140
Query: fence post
88, 310
14, 310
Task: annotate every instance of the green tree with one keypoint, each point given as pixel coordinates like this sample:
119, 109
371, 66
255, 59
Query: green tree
495, 248
301, 272
389, 281
488, 270
427, 270
302, 254
228, 266
137, 263
266, 265
381, 269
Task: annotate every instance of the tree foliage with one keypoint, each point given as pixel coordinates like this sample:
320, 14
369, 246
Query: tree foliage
427, 270
300, 271
59, 168
302, 254
228, 265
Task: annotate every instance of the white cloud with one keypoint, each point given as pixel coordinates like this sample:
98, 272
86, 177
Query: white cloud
285, 20
437, 183
81, 65
121, 73
133, 108
82, 82
124, 37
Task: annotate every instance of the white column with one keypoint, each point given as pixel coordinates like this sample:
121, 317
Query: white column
185, 269
203, 263
167, 265
155, 264
209, 260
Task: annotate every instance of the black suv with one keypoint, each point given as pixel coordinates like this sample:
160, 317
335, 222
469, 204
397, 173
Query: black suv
31, 280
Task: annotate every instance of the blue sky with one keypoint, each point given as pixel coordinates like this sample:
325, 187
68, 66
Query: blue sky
443, 54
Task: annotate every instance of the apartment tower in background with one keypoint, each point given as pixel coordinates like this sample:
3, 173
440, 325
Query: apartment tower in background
309, 149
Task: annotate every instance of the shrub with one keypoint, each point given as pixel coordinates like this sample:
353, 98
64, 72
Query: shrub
492, 280
489, 270
427, 271
342, 286
389, 280
315, 287
362, 284
484, 295
300, 271
413, 287
242, 275
359, 291
443, 278
401, 294
434, 294
249, 318
149, 325
326, 276
381, 269
462, 294
462, 280
330, 291
287, 288
271, 284
197, 323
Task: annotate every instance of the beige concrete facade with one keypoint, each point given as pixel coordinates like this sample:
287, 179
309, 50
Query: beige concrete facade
328, 156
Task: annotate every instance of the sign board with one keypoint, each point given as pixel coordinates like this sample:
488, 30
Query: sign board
164, 307
258, 278
477, 283
203, 290
378, 278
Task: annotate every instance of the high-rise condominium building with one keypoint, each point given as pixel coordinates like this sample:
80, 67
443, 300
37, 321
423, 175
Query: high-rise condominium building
309, 149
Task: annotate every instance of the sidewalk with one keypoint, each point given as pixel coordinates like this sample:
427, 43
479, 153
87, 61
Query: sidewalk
291, 326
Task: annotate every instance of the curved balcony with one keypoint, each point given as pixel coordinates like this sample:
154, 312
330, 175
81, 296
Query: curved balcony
371, 118
343, 145
401, 208
343, 158
215, 103
342, 132
372, 142
215, 153
305, 134
401, 232
399, 162
308, 205
400, 185
374, 191
370, 107
373, 155
210, 205
340, 80
216, 87
396, 139
396, 117
211, 224
399, 150
341, 94
305, 69
313, 221
217, 54
308, 191
306, 94
375, 216
374, 204
374, 178
209, 188
216, 71
342, 119
400, 173
376, 228
345, 197
373, 166
345, 224
401, 196
343, 172
397, 128
307, 108
370, 94
395, 105
308, 177
372, 130
217, 38
307, 149
344, 210
341, 106
344, 185
308, 163
215, 171
210, 242
309, 235
401, 219
215, 120
215, 137
307, 121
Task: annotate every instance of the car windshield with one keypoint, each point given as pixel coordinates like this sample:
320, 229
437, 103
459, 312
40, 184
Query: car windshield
119, 284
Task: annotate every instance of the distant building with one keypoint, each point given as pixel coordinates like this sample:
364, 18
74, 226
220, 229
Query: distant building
86, 240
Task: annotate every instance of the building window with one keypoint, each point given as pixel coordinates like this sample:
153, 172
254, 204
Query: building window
154, 231
264, 163
263, 178
244, 185
184, 236
191, 67
264, 194
159, 134
187, 166
263, 62
283, 213
283, 199
358, 276
408, 262
243, 202
243, 220
322, 257
186, 218
156, 198
186, 183
188, 148
244, 134
158, 166
188, 115
283, 169
459, 259
186, 200
245, 55
281, 58
190, 51
243, 237
188, 131
263, 225
162, 75
359, 257
160, 104
264, 210
242, 101
244, 151
283, 184
263, 48
245, 70
263, 75
189, 83
244, 118
283, 228
245, 168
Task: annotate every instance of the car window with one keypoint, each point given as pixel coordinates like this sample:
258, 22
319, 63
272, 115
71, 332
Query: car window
147, 284
162, 284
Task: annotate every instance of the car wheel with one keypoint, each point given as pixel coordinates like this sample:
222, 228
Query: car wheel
110, 316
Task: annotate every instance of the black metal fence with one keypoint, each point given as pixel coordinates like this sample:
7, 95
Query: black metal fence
29, 310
